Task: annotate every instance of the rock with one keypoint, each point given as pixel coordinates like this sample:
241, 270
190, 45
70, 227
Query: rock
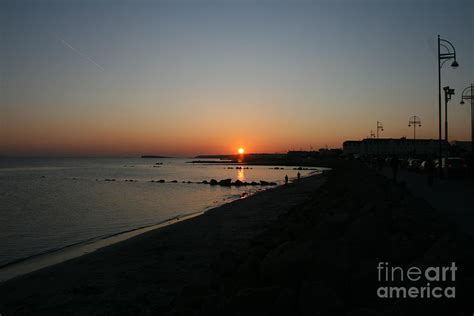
238, 183
205, 182
254, 301
286, 302
264, 182
316, 298
225, 182
227, 263
286, 262
174, 181
338, 218
213, 182
191, 298
161, 181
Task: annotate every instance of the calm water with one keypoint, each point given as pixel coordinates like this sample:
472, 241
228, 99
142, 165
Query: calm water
47, 204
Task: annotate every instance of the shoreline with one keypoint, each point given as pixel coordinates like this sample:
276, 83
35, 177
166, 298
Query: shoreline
169, 257
35, 262
52, 257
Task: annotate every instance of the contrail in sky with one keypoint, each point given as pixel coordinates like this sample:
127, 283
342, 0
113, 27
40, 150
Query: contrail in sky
79, 52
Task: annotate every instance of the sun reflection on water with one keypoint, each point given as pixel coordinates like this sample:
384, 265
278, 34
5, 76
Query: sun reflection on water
240, 174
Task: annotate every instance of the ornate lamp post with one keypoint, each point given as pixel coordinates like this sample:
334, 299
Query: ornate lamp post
468, 94
450, 53
379, 128
414, 121
448, 93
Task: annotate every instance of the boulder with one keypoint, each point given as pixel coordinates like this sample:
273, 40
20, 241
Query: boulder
286, 262
254, 301
225, 182
213, 182
317, 298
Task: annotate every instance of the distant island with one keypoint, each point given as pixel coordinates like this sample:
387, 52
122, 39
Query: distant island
154, 156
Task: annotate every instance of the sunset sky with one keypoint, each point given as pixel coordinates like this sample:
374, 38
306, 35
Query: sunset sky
104, 78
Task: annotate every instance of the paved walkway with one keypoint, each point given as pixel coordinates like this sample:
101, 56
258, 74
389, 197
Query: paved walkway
453, 198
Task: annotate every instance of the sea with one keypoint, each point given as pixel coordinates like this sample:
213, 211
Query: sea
48, 204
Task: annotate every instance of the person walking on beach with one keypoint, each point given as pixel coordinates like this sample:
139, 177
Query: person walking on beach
286, 179
298, 175
394, 165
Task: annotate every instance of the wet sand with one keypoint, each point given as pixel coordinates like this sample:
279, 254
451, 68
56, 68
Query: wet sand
56, 256
146, 273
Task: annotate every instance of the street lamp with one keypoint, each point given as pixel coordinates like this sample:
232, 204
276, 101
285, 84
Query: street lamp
450, 53
415, 121
448, 93
379, 127
465, 95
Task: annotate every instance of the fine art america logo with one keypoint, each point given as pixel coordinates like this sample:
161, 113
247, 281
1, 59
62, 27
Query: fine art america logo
416, 282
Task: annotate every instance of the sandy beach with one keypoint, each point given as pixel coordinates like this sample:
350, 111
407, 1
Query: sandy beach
147, 272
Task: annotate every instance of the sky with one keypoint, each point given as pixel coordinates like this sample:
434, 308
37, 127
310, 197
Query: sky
181, 78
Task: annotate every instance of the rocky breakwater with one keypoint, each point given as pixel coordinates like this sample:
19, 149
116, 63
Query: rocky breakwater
223, 182
228, 183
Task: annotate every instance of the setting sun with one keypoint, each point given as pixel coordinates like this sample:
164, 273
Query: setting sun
241, 150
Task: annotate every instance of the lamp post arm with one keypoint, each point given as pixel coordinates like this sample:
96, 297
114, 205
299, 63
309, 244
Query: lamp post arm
465, 90
450, 44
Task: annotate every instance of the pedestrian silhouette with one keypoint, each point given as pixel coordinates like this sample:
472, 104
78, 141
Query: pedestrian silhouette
286, 179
